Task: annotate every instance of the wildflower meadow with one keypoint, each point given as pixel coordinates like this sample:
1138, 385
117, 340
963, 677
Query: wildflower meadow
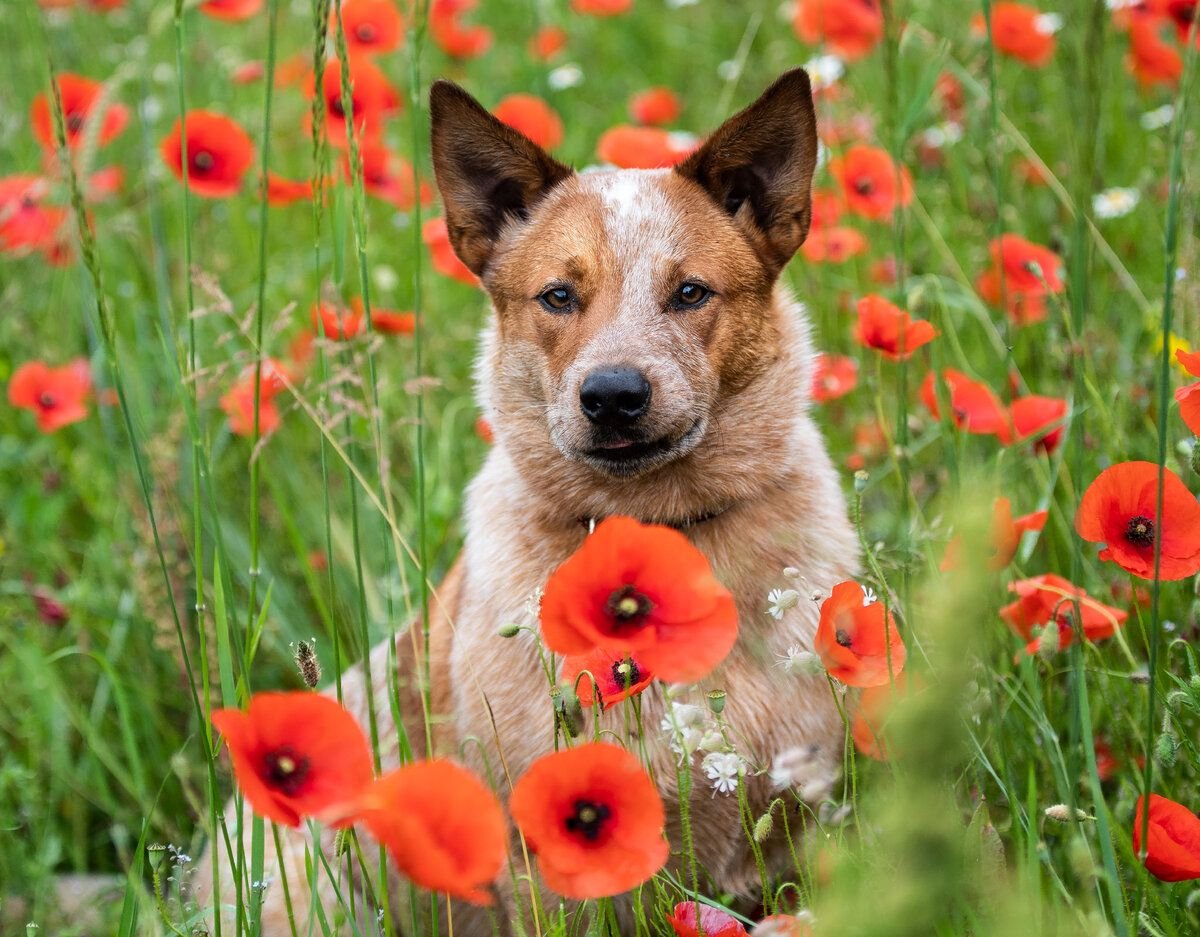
245, 398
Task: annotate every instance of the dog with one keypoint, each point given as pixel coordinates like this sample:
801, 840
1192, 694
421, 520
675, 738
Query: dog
643, 359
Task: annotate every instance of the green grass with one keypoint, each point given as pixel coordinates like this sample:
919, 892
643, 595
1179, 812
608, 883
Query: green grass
183, 553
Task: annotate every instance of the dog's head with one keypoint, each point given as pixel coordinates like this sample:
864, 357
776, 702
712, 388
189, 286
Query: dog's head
630, 303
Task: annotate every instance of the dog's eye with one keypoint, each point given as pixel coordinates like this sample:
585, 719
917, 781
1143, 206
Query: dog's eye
690, 294
558, 299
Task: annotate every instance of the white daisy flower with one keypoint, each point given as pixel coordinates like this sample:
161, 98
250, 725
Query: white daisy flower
565, 76
685, 726
1048, 23
780, 601
1158, 118
1115, 202
824, 71
724, 769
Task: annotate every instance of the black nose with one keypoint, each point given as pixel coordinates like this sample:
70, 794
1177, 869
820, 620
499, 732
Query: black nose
614, 397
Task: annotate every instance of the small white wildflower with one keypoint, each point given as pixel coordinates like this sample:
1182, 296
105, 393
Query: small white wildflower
151, 108
786, 11
1061, 813
676, 4
869, 597
1048, 23
163, 73
685, 726
942, 135
564, 77
780, 601
1180, 274
1158, 118
825, 71
723, 769
804, 770
1121, 4
1115, 202
712, 740
822, 154
681, 141
796, 660
728, 70
385, 277
791, 572
831, 814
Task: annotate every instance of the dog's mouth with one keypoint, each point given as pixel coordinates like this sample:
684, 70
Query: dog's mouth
623, 455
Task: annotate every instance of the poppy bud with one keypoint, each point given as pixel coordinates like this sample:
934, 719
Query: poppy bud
308, 663
1048, 640
763, 827
1166, 749
1080, 856
860, 481
1194, 456
1177, 699
508, 630
716, 701
1061, 813
568, 711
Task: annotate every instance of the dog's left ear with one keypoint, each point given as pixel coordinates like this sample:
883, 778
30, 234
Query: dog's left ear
758, 166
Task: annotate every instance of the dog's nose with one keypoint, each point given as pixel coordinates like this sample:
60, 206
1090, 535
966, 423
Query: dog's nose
614, 397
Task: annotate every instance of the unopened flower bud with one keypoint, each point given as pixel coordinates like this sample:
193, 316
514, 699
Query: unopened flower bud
1166, 749
763, 827
860, 481
716, 701
508, 630
568, 710
1061, 813
1048, 640
1194, 457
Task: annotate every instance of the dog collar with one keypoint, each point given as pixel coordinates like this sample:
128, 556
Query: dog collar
588, 523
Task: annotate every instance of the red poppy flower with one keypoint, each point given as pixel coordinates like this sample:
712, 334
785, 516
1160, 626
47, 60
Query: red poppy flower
834, 376
1019, 31
629, 147
483, 429
642, 590
58, 396
876, 705
594, 819
249, 72
889, 329
1050, 597
974, 405
219, 152
231, 10
858, 642
441, 825
852, 28
782, 925
27, 222
530, 115
1028, 267
1106, 761
547, 42
617, 676
1172, 841
370, 26
388, 176
1023, 307
281, 191
833, 245
869, 181
455, 39
1033, 415
1189, 395
870, 444
883, 271
1152, 59
950, 94
392, 322
297, 755
336, 322
601, 7
80, 97
104, 183
715, 922
1007, 531
372, 99
445, 261
1119, 509
655, 106
826, 211
238, 401
1180, 13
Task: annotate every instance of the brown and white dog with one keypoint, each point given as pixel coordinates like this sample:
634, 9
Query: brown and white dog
644, 360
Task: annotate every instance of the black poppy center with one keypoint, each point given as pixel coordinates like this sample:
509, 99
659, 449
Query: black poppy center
47, 401
628, 608
74, 122
1140, 531
366, 32
588, 819
203, 161
864, 186
842, 637
335, 107
626, 673
286, 770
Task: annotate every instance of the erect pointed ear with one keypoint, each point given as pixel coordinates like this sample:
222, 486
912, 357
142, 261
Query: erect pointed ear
488, 173
758, 166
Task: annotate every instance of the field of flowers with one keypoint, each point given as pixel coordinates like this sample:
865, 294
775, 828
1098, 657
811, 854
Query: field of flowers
238, 421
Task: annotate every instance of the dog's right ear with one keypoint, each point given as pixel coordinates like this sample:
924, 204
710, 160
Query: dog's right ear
488, 173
